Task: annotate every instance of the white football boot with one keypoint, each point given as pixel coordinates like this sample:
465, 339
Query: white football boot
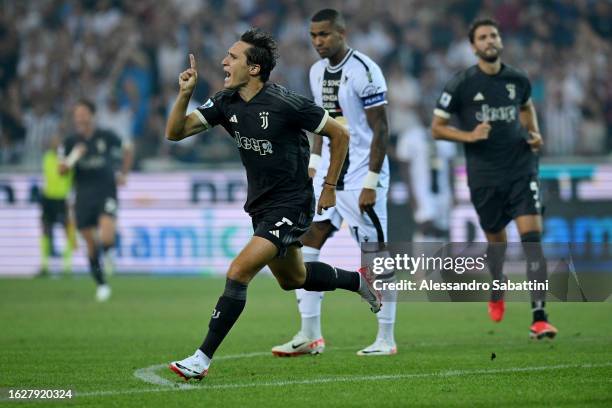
103, 293
191, 367
367, 291
298, 346
379, 348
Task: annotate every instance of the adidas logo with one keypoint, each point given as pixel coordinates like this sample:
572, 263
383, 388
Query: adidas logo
479, 97
234, 119
275, 233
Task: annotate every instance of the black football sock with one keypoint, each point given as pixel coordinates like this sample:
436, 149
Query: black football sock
539, 314
96, 271
226, 313
496, 253
536, 272
323, 277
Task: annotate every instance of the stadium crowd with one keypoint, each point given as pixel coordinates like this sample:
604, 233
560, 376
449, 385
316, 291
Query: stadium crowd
126, 55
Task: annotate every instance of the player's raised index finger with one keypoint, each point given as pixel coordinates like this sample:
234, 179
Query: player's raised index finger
192, 61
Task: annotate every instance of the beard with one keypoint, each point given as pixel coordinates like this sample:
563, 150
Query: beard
490, 58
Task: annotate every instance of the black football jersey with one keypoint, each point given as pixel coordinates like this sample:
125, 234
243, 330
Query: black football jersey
274, 149
476, 97
94, 173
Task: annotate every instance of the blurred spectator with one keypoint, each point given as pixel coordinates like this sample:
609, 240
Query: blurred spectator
116, 118
134, 50
41, 124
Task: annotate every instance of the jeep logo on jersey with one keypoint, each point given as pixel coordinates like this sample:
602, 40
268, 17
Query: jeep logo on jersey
511, 90
488, 114
261, 146
264, 119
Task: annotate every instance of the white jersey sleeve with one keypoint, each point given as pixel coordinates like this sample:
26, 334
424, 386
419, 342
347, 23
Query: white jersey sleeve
370, 85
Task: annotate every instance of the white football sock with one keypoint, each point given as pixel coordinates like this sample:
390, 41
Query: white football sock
386, 316
309, 302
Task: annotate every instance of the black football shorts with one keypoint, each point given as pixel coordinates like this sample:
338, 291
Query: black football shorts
283, 226
498, 205
88, 209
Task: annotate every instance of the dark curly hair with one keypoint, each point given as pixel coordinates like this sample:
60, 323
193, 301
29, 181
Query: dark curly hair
263, 51
479, 23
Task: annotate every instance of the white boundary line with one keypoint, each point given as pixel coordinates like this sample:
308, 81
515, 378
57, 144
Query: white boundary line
148, 374
338, 379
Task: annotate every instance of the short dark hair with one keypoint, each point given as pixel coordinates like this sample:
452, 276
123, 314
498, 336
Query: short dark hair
263, 51
331, 15
86, 103
479, 23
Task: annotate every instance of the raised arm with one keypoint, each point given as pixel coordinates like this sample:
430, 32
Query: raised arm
179, 125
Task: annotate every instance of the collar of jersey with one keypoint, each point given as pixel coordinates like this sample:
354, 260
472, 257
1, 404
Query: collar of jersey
502, 67
338, 67
237, 96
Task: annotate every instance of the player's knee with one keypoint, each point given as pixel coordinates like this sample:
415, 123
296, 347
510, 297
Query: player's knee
317, 234
531, 236
290, 282
238, 272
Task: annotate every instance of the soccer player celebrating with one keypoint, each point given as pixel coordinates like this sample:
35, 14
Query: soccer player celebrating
499, 129
94, 154
266, 122
352, 89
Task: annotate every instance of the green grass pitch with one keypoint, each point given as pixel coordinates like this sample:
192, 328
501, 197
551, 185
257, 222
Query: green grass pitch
53, 335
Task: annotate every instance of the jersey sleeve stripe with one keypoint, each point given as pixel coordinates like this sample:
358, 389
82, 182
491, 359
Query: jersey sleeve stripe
362, 62
323, 122
376, 104
441, 113
202, 118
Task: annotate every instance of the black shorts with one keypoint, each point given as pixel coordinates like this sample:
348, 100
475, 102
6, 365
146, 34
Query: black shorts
498, 205
54, 211
283, 226
89, 209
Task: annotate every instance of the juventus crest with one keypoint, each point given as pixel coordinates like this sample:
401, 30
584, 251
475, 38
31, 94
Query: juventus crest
511, 90
264, 119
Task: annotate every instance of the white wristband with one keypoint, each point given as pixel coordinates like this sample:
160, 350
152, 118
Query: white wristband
314, 162
371, 180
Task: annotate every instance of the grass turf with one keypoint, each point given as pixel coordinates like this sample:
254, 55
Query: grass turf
53, 335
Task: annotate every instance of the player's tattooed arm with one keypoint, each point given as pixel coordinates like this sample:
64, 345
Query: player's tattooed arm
338, 147
180, 126
441, 129
529, 120
377, 120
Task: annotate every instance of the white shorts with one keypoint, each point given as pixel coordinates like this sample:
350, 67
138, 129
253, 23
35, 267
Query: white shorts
364, 227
